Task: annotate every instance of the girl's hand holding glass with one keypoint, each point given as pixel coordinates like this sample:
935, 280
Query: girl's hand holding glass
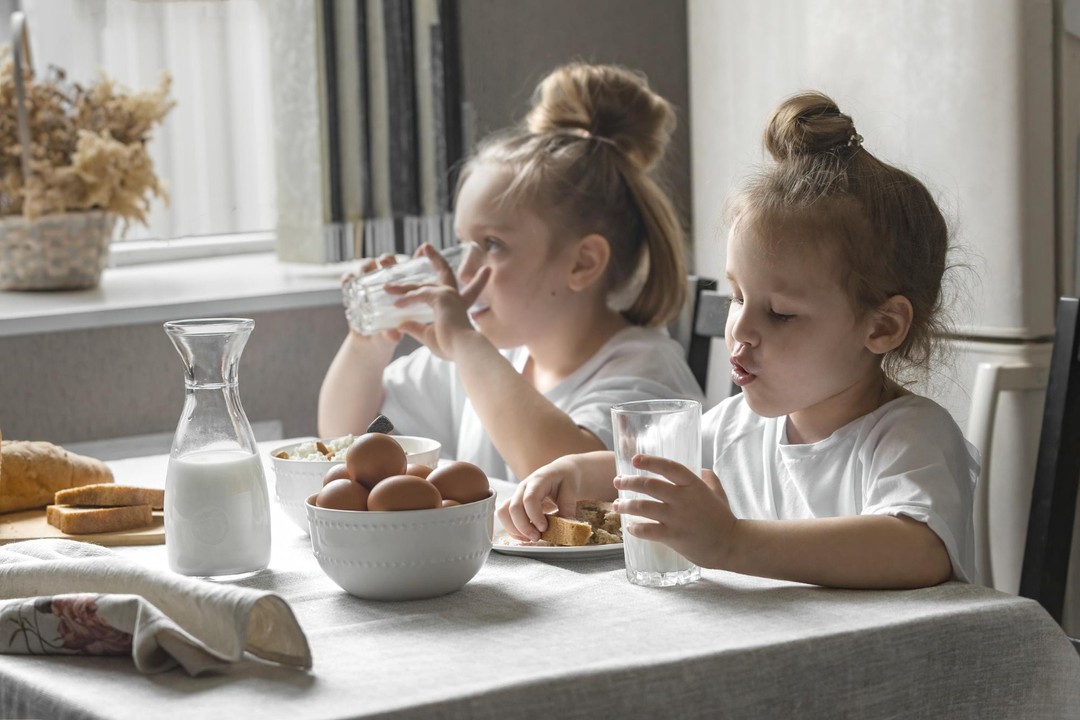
690, 514
450, 305
392, 336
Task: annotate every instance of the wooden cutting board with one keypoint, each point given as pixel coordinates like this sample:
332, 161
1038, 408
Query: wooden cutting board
31, 525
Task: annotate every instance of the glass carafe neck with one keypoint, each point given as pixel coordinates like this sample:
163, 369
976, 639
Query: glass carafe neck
210, 349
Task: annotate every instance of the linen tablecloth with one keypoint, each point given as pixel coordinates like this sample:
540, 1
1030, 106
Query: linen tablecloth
531, 639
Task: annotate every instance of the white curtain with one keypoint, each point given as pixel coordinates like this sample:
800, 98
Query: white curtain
215, 150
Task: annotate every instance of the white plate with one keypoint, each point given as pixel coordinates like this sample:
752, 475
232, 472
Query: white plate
554, 552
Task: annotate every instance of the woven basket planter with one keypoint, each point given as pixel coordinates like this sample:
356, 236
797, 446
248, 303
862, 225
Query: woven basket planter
56, 252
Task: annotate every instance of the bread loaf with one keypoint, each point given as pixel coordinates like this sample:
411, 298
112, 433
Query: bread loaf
109, 495
81, 521
32, 472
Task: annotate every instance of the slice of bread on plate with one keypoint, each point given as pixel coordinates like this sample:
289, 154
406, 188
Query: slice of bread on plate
83, 521
595, 524
109, 495
561, 531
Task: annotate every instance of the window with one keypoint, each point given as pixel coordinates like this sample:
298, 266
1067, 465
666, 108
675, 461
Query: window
215, 149
364, 94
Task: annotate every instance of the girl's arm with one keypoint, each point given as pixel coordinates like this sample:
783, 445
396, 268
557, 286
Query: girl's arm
352, 391
861, 551
524, 426
864, 551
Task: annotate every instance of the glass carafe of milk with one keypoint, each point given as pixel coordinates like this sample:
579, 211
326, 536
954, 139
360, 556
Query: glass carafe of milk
217, 508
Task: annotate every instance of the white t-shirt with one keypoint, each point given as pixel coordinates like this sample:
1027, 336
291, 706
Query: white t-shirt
424, 395
908, 457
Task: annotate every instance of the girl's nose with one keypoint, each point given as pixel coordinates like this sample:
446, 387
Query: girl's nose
740, 329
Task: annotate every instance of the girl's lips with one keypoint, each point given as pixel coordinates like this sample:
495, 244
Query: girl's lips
740, 375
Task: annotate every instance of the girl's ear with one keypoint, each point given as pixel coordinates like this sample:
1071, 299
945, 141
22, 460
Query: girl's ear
890, 325
590, 262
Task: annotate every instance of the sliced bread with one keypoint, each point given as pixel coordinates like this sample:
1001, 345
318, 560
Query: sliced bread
82, 521
561, 531
109, 495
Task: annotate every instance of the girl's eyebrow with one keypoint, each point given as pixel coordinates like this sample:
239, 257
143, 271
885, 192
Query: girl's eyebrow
482, 228
782, 290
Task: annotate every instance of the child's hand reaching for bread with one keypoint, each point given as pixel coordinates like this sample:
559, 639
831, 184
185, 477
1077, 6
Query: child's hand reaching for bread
691, 513
557, 486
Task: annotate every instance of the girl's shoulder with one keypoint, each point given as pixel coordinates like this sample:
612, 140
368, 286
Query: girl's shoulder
915, 424
914, 414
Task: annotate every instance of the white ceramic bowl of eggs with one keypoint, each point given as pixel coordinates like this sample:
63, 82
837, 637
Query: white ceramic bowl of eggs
403, 554
299, 473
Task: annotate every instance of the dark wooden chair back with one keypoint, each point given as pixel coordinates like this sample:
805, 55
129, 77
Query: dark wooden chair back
1057, 472
709, 320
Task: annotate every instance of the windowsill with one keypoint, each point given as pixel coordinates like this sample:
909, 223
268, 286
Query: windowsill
156, 292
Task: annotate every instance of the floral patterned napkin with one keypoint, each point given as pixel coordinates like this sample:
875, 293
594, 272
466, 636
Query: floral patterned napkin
65, 597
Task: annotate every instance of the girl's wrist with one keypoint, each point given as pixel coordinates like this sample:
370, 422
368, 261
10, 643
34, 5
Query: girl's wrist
369, 345
466, 341
731, 555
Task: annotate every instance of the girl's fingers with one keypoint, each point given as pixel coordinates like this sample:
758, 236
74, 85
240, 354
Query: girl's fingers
647, 531
673, 471
387, 259
520, 520
472, 291
643, 507
654, 487
532, 500
442, 268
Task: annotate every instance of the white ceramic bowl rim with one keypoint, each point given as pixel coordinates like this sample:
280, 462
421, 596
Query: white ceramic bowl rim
403, 514
287, 449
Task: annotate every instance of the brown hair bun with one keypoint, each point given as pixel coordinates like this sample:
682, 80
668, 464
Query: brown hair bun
808, 124
607, 102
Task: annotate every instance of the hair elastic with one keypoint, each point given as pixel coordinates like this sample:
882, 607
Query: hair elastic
586, 135
855, 140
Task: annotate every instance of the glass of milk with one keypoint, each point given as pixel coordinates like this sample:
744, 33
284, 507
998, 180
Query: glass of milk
370, 309
665, 428
217, 507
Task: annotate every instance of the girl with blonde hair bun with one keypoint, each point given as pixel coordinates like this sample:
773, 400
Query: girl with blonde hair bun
824, 469
561, 312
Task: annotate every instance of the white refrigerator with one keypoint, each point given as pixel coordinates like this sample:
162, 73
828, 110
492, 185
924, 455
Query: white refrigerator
981, 100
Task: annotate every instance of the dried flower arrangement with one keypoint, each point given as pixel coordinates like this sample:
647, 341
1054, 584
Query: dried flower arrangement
79, 162
88, 146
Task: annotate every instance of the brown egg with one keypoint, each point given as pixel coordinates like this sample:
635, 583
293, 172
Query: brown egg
450, 503
404, 492
372, 457
337, 472
342, 494
421, 471
460, 481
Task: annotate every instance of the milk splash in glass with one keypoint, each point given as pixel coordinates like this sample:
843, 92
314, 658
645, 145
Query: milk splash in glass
217, 507
665, 428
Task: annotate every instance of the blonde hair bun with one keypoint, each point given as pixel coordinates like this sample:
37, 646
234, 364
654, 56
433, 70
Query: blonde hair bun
609, 103
808, 124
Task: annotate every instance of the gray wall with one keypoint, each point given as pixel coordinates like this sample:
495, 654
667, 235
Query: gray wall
113, 382
508, 46
83, 385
